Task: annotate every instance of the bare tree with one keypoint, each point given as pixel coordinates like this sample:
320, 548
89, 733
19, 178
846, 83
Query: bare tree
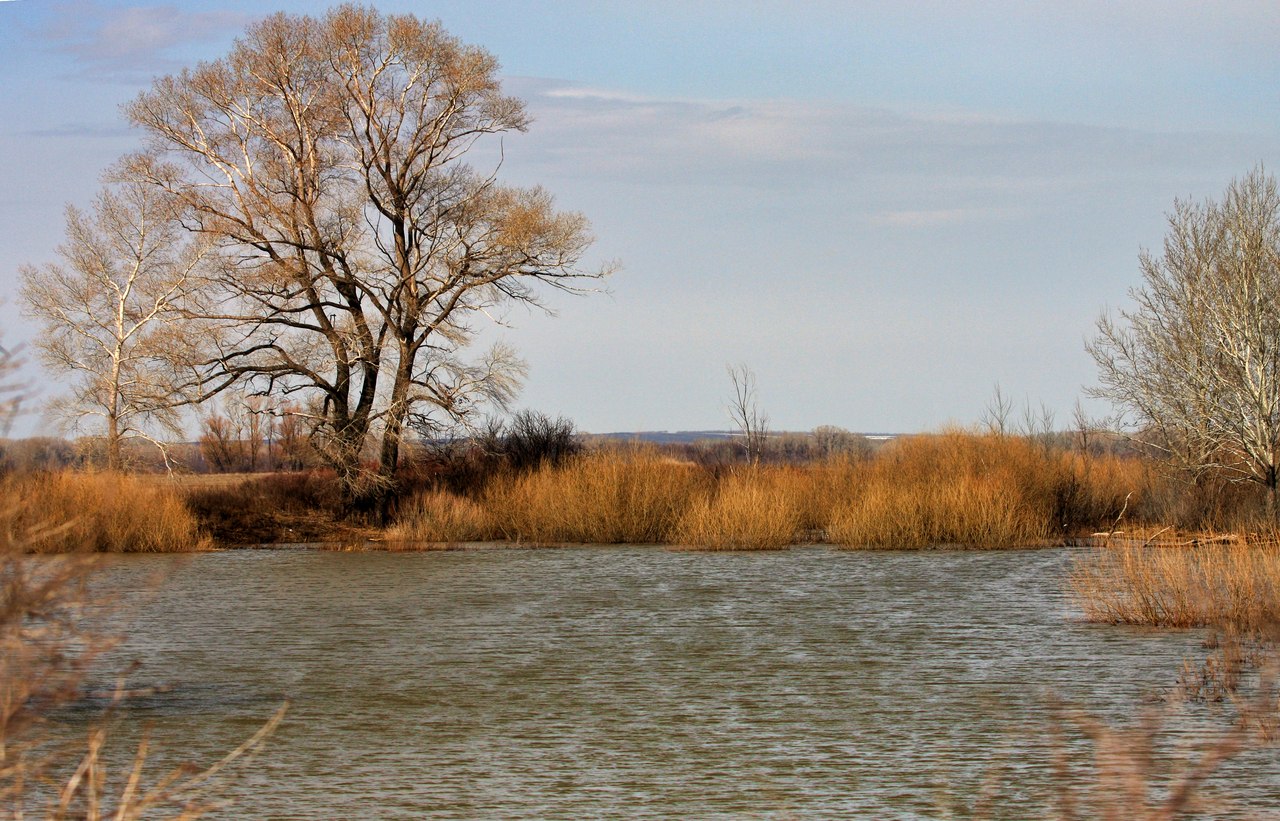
357, 248
832, 440
995, 416
107, 311
1195, 366
10, 393
745, 412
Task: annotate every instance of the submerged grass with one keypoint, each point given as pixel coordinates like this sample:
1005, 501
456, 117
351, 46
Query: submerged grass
1235, 585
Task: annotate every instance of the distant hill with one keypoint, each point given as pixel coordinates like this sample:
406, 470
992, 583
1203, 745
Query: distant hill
680, 437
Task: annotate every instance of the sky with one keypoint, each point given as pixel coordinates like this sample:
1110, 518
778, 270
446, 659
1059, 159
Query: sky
884, 209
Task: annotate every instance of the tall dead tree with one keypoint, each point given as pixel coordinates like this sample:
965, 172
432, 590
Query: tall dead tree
744, 410
357, 248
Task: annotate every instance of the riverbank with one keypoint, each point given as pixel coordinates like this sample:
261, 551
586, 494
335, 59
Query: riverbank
955, 488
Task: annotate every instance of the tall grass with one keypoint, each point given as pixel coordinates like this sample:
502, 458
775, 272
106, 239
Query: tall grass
752, 509
610, 497
1232, 585
440, 517
958, 488
100, 512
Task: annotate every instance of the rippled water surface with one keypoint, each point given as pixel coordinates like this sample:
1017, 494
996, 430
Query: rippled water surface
634, 681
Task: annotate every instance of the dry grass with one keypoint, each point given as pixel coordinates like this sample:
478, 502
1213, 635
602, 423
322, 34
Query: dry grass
1236, 585
101, 512
954, 488
959, 488
752, 509
439, 517
611, 497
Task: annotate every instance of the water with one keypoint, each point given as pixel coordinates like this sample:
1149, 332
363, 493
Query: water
631, 681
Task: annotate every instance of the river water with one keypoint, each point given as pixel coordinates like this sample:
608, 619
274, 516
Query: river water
633, 681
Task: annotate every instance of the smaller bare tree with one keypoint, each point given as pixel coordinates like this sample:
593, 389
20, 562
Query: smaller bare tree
832, 440
744, 410
106, 311
10, 395
995, 416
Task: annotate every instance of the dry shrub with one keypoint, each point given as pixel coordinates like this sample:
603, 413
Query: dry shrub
754, 509
1208, 502
260, 508
953, 488
608, 497
1235, 585
104, 512
437, 516
983, 490
1095, 490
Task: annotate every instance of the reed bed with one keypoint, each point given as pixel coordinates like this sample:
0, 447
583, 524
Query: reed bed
604, 498
955, 488
440, 517
97, 512
1225, 585
753, 509
950, 489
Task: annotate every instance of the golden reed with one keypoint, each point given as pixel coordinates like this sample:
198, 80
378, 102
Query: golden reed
100, 512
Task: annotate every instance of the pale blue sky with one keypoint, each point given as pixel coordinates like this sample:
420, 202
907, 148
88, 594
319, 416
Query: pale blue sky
883, 208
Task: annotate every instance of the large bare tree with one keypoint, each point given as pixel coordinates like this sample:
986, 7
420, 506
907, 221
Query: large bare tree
358, 251
1195, 365
108, 310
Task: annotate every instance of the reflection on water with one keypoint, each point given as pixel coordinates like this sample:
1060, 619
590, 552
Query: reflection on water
630, 681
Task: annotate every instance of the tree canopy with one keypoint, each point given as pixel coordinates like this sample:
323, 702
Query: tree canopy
355, 251
1195, 365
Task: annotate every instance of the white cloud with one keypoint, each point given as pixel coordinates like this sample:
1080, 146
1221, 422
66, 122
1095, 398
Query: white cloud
131, 42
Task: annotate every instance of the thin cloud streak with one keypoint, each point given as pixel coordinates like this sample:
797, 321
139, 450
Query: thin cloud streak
131, 43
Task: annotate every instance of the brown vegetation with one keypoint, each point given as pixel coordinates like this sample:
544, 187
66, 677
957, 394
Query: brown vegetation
247, 509
101, 512
958, 488
954, 488
753, 509
1235, 585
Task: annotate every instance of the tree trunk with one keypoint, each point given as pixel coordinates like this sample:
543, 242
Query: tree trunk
113, 443
392, 434
1272, 478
